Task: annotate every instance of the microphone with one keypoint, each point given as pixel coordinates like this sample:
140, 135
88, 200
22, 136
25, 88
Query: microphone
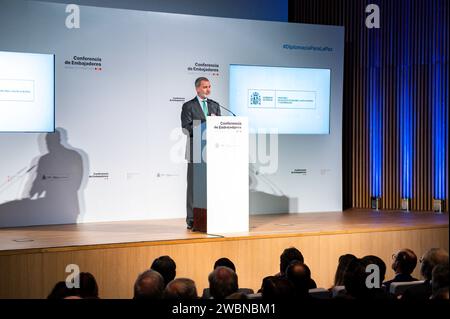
222, 107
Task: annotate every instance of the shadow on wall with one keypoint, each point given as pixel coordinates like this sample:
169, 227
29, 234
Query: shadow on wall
54, 191
267, 203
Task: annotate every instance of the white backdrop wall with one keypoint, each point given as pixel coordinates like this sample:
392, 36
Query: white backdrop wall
120, 124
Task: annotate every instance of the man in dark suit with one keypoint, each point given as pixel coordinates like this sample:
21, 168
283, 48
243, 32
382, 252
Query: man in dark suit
195, 110
404, 263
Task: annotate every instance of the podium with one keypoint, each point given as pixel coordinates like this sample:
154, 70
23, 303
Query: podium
220, 178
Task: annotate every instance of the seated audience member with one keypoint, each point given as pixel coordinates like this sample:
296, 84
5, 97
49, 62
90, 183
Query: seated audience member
88, 288
289, 255
343, 262
226, 263
149, 285
439, 281
300, 276
180, 288
432, 258
223, 281
277, 288
355, 282
166, 267
404, 263
60, 291
374, 260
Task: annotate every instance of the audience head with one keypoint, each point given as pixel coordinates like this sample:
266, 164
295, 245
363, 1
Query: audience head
405, 261
88, 285
149, 285
88, 288
374, 260
223, 281
180, 288
60, 291
355, 279
166, 267
224, 262
344, 260
275, 287
300, 276
237, 296
432, 258
289, 255
439, 277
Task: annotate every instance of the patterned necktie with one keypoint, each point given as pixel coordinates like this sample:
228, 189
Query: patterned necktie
205, 108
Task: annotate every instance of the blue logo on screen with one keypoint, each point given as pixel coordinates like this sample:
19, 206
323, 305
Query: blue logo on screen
255, 98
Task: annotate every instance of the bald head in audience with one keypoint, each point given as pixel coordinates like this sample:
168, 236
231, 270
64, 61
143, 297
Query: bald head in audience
299, 275
223, 281
180, 288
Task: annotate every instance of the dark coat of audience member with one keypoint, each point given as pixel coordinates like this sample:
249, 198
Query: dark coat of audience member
223, 282
180, 289
225, 262
432, 258
404, 263
149, 285
166, 267
441, 294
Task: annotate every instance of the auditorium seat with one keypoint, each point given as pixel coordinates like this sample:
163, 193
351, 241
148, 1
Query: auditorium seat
398, 288
320, 293
254, 296
337, 290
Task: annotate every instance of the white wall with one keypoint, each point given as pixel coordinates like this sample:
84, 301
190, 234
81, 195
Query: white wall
120, 120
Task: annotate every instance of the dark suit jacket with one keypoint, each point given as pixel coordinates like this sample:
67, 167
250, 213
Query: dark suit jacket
192, 111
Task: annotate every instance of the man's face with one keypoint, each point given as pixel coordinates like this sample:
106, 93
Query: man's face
204, 89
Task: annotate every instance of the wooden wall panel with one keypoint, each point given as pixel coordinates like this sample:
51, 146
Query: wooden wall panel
407, 49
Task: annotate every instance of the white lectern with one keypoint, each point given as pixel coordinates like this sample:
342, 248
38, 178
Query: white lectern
221, 174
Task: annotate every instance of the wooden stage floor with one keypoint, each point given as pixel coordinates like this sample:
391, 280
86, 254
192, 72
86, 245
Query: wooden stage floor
33, 259
114, 234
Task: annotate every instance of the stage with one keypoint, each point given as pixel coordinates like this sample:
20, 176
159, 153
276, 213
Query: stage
33, 259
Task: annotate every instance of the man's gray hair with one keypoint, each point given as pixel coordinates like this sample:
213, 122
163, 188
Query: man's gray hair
432, 258
223, 281
180, 288
149, 285
199, 80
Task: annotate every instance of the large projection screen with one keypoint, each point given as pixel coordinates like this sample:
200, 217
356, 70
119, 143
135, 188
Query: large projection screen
27, 92
292, 100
